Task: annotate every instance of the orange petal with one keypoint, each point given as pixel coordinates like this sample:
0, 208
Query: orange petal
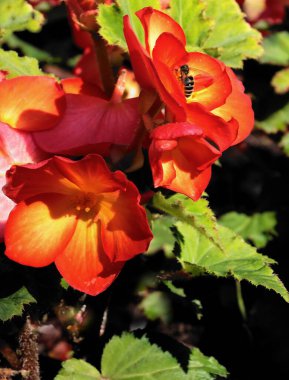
239, 107
124, 227
37, 231
31, 103
78, 86
84, 264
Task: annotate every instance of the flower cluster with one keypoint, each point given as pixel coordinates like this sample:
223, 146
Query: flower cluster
64, 139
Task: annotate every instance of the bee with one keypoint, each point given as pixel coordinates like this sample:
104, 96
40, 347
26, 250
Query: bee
186, 79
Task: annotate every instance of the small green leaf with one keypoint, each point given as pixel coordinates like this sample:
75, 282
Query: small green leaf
277, 122
157, 305
17, 66
163, 236
14, 304
280, 81
208, 28
238, 259
202, 367
77, 369
178, 291
18, 15
110, 19
197, 214
276, 49
258, 228
129, 358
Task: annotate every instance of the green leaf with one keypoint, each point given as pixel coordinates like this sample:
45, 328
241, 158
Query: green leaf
197, 214
18, 15
258, 228
129, 358
202, 367
163, 237
284, 143
157, 305
77, 369
16, 66
238, 259
110, 19
208, 28
280, 81
14, 304
277, 122
276, 49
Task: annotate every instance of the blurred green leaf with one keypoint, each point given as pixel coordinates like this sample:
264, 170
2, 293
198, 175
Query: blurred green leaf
258, 228
202, 367
19, 15
110, 19
17, 66
77, 369
14, 304
16, 43
276, 49
208, 28
130, 358
280, 81
277, 122
284, 143
157, 305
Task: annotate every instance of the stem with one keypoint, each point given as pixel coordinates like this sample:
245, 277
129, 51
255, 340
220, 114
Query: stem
105, 71
240, 300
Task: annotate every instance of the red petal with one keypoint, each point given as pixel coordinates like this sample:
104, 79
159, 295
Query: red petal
78, 86
140, 59
6, 205
24, 182
87, 67
90, 125
17, 147
124, 227
84, 264
155, 23
37, 231
215, 129
31, 103
239, 107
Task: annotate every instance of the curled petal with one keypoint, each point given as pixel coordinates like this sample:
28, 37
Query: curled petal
155, 23
239, 107
31, 103
6, 205
43, 226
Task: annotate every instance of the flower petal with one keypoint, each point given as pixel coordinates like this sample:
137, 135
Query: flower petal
238, 106
84, 264
6, 205
91, 125
31, 103
78, 86
39, 230
155, 23
124, 227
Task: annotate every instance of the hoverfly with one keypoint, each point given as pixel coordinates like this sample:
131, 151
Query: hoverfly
186, 79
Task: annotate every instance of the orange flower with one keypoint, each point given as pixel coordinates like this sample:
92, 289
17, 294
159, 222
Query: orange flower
77, 214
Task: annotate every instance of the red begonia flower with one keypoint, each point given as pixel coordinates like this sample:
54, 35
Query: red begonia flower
214, 85
31, 103
91, 124
181, 158
16, 147
77, 214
